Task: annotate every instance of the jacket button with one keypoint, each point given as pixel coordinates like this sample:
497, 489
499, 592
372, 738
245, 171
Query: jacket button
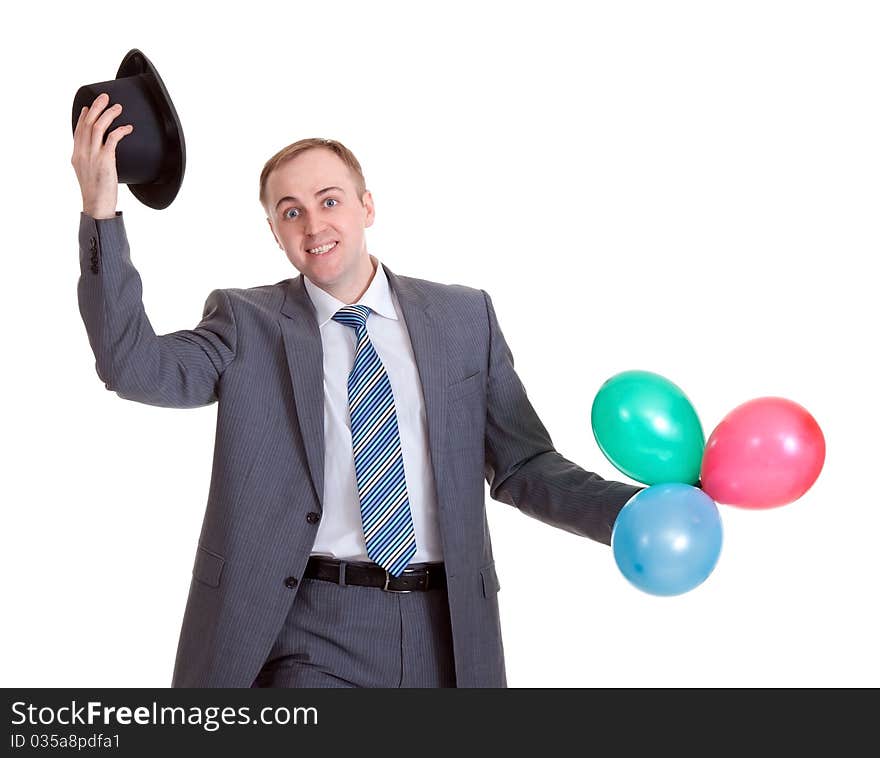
313, 518
290, 582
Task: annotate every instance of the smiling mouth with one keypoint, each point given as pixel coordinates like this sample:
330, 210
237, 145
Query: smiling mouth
323, 249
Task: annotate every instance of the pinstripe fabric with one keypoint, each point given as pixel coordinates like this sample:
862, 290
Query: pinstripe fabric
257, 353
352, 636
378, 458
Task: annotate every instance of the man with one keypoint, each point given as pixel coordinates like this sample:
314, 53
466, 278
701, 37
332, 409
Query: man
345, 540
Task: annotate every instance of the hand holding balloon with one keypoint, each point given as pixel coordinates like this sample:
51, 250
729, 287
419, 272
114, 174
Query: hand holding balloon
667, 538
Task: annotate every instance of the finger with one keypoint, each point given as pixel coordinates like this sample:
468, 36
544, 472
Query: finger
80, 120
100, 126
98, 104
81, 135
76, 128
117, 134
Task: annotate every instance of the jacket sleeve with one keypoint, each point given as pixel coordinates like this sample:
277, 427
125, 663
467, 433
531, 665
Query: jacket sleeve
177, 370
523, 468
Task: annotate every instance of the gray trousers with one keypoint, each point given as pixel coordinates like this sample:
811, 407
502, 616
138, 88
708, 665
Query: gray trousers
346, 635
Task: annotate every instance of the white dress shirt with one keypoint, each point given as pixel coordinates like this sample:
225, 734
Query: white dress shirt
340, 531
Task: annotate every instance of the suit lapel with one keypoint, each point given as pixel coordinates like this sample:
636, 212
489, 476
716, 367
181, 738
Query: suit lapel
428, 338
305, 361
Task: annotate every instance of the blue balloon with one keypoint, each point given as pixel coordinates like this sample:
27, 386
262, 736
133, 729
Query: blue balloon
667, 538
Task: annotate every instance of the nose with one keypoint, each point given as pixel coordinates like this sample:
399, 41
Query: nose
313, 227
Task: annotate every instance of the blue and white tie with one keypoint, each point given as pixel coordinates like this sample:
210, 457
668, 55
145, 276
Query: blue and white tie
378, 458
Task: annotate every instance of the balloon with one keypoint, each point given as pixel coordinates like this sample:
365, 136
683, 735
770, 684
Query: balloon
765, 453
667, 538
647, 428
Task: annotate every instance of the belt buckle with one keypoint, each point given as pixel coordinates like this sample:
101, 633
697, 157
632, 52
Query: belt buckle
387, 589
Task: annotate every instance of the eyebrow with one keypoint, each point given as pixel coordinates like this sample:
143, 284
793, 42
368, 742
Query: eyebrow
317, 194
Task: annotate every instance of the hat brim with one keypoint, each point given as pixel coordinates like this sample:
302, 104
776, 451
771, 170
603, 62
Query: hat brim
158, 195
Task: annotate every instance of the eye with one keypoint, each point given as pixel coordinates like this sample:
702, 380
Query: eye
296, 210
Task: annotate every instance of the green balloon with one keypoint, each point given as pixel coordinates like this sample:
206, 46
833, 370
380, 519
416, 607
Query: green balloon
646, 426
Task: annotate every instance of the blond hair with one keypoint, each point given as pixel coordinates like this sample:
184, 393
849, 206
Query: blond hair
300, 146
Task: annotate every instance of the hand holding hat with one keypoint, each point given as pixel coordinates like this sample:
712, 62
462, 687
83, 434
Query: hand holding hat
95, 163
152, 156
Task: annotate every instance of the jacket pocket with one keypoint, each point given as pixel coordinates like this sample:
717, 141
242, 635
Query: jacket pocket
490, 581
465, 386
208, 566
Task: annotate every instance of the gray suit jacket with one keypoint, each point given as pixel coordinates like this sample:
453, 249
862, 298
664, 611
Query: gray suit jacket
257, 352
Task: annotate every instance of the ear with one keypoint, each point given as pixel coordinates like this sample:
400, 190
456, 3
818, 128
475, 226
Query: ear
269, 221
370, 214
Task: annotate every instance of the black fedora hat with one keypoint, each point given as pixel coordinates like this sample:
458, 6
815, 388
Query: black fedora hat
152, 157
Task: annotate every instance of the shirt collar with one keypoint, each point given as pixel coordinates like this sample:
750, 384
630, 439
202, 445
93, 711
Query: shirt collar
377, 296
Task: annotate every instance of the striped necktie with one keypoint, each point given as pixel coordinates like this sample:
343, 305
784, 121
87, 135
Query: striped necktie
378, 458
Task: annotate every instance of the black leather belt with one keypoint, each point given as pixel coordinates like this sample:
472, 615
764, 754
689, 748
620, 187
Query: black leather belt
420, 577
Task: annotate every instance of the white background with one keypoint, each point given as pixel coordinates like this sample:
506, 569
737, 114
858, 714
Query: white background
688, 188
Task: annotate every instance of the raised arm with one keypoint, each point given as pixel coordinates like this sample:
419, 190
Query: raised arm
177, 370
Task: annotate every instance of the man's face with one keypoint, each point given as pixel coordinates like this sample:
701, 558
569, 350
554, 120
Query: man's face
318, 216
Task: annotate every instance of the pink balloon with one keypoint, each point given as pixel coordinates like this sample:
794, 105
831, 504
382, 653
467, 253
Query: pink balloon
765, 453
